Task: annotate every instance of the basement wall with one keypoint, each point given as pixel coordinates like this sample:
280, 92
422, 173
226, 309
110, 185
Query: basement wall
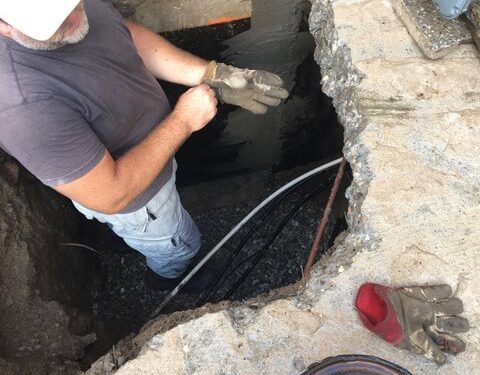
413, 141
238, 141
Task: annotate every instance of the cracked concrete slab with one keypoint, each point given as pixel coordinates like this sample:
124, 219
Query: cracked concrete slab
435, 35
413, 140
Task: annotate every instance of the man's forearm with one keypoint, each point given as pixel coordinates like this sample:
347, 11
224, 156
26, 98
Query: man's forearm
164, 60
137, 169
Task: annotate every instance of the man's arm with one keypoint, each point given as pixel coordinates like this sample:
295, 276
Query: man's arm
166, 61
113, 184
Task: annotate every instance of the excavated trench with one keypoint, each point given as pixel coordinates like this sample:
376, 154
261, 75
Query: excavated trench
222, 177
219, 189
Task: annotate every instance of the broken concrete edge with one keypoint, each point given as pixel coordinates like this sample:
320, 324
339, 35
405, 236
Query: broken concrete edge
135, 345
131, 347
336, 67
297, 295
339, 80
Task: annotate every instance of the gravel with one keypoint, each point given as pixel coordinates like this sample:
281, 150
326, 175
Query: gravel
122, 302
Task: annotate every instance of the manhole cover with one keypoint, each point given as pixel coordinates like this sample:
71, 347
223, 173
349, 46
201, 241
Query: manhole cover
355, 365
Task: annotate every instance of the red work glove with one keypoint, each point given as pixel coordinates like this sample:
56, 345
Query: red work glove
419, 319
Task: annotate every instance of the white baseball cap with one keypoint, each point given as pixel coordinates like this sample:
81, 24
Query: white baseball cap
39, 19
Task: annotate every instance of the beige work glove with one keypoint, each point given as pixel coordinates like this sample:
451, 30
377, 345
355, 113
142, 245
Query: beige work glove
421, 319
254, 90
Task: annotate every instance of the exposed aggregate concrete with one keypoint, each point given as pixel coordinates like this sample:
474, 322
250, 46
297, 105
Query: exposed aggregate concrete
434, 34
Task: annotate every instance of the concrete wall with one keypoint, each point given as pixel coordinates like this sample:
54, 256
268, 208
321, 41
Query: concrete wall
169, 15
278, 41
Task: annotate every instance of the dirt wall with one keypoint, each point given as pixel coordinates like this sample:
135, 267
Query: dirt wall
43, 287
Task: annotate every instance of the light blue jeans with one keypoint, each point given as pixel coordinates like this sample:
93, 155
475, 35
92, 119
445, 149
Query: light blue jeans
161, 230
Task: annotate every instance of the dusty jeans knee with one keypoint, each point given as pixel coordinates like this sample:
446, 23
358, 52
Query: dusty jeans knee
162, 230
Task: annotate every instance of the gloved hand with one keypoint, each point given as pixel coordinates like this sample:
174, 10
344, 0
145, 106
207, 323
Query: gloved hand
254, 90
420, 319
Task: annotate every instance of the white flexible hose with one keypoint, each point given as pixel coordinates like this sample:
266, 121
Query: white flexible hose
247, 218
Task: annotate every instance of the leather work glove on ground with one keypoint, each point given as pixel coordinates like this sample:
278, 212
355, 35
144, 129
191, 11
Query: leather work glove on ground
254, 90
420, 319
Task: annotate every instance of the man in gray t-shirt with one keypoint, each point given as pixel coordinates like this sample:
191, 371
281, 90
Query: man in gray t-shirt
81, 109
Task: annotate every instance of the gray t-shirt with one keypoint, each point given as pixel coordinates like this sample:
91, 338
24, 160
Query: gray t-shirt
60, 110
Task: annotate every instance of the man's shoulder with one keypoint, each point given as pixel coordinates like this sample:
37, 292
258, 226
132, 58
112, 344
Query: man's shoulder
10, 92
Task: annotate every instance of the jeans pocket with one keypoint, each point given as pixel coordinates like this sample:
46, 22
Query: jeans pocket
131, 224
161, 249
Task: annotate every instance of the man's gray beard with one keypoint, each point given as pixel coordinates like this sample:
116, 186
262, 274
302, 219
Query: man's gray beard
79, 34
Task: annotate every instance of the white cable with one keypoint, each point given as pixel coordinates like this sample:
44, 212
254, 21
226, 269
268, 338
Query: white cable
212, 252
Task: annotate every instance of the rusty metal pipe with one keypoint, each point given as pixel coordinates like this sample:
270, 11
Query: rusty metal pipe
323, 223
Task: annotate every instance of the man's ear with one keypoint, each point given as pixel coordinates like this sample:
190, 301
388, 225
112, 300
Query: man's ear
5, 29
